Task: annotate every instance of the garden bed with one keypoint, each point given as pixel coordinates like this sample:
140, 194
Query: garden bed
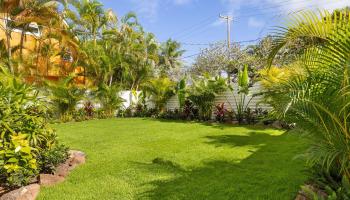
31, 192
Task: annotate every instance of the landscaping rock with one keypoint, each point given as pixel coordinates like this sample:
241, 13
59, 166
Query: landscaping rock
77, 158
304, 196
301, 197
2, 191
63, 169
29, 192
277, 125
50, 180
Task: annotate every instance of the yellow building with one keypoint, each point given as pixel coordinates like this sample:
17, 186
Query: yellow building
41, 56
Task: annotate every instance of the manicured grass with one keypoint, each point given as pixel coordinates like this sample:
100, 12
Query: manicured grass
195, 161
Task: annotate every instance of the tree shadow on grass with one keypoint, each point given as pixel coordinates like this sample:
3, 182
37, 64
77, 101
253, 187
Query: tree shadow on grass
216, 125
271, 172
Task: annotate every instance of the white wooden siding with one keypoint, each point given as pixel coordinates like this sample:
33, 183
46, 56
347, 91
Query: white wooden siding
228, 98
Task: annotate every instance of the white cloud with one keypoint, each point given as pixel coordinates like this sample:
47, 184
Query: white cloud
251, 7
147, 8
295, 5
181, 2
150, 8
255, 23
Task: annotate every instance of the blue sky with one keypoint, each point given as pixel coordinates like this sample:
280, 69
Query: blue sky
197, 21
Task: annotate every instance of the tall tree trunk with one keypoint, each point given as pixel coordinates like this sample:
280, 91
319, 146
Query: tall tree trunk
8, 32
22, 41
111, 80
9, 51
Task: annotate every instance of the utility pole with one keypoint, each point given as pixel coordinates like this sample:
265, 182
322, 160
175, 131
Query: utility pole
228, 21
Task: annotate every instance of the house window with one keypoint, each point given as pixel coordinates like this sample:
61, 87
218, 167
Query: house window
32, 29
67, 56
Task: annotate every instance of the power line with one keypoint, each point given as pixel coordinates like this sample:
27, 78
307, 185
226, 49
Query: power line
213, 43
193, 27
238, 42
203, 27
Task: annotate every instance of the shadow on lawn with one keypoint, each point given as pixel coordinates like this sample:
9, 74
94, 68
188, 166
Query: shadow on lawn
269, 173
216, 125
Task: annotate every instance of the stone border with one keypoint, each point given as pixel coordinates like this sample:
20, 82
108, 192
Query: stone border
303, 196
31, 192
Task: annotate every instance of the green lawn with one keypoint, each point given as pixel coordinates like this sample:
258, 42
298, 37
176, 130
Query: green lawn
193, 161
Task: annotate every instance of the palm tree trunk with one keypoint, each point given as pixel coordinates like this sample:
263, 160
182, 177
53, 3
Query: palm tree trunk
8, 41
22, 41
9, 51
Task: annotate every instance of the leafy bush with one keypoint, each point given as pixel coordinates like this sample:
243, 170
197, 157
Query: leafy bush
171, 114
189, 111
220, 112
109, 98
65, 95
160, 90
24, 132
332, 185
17, 161
203, 94
49, 159
89, 109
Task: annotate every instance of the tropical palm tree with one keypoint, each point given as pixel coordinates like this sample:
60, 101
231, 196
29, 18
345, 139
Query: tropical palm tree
65, 95
89, 18
170, 56
109, 98
160, 91
318, 99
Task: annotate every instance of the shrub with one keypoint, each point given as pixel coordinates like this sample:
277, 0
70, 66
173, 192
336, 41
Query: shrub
89, 109
17, 161
24, 132
109, 98
65, 95
203, 94
49, 159
160, 90
220, 112
189, 111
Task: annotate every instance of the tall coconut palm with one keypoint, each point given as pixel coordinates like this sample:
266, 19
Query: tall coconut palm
90, 17
170, 56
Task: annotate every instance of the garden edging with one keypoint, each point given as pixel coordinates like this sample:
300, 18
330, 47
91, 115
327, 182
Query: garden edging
31, 192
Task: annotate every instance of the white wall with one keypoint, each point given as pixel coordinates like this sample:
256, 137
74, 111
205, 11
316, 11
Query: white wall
228, 98
129, 98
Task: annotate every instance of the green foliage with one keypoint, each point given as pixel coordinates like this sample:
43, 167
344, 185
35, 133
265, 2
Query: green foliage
242, 109
318, 100
160, 91
24, 132
65, 95
49, 159
181, 91
17, 162
109, 98
203, 93
170, 57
